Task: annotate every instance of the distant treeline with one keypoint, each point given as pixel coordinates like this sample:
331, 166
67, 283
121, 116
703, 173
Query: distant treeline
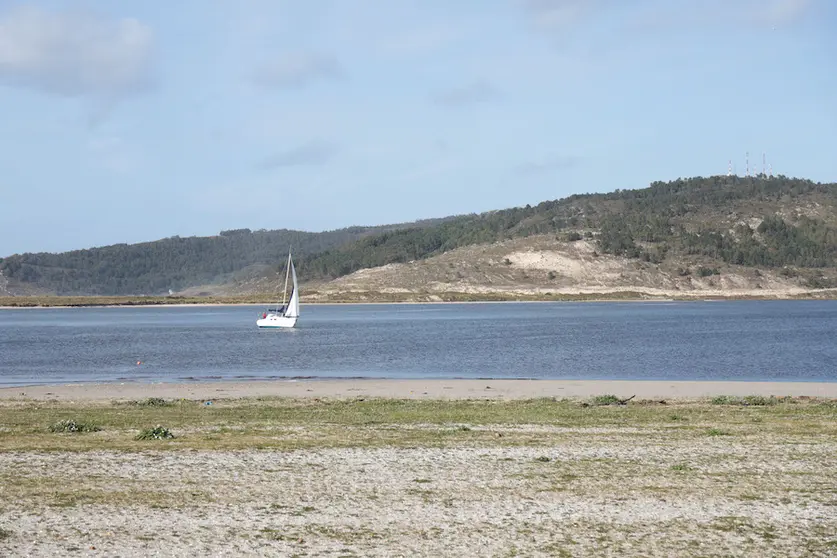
700, 217
175, 263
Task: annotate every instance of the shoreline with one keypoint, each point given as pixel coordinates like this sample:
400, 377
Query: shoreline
452, 389
708, 298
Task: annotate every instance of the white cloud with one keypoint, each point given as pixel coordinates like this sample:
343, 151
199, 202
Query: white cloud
298, 69
74, 54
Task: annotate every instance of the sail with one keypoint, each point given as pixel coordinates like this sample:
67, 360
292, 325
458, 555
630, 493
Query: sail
292, 310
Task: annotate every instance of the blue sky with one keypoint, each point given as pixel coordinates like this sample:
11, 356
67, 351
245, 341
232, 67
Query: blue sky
131, 121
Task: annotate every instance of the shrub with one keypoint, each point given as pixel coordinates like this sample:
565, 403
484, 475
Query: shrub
600, 400
74, 426
156, 433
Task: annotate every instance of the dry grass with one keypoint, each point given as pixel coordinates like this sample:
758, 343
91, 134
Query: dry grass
390, 477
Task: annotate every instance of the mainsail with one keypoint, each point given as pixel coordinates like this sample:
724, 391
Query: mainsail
292, 310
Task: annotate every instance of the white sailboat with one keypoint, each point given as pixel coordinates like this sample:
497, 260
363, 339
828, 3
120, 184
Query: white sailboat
285, 315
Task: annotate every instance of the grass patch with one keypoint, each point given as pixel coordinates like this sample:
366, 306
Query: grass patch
717, 432
601, 400
156, 433
154, 402
289, 424
5, 534
69, 425
747, 400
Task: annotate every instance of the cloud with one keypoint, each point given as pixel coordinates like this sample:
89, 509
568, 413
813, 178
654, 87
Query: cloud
313, 153
547, 164
74, 54
626, 18
470, 94
296, 70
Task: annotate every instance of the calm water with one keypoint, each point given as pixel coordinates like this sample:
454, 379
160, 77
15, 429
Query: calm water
782, 340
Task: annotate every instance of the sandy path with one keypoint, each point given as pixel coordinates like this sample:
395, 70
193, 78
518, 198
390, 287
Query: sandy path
418, 389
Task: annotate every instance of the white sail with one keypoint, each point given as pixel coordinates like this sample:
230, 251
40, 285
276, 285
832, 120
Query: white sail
292, 310
288, 314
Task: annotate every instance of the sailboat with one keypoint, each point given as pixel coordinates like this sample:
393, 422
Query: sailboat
287, 314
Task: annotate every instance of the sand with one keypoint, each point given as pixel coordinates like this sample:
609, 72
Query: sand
418, 389
669, 480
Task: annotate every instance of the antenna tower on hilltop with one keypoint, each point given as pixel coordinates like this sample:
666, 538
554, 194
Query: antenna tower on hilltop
747, 161
729, 169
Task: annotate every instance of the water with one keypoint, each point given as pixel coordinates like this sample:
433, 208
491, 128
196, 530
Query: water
752, 340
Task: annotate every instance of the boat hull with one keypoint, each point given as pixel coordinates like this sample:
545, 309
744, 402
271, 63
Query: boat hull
276, 322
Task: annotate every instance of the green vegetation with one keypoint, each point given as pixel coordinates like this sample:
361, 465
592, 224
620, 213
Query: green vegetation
701, 218
321, 423
156, 433
69, 425
152, 268
757, 400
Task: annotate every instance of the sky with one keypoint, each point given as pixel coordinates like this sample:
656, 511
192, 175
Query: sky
132, 121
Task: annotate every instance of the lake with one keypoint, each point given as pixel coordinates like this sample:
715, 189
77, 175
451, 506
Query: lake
729, 340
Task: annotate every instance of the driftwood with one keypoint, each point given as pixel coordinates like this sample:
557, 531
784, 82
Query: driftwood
623, 401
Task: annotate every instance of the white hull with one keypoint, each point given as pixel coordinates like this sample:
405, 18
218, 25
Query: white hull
271, 322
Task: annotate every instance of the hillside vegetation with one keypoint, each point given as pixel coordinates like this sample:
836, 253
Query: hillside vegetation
782, 225
175, 263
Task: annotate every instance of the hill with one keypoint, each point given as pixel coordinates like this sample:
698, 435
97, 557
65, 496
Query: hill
175, 263
714, 233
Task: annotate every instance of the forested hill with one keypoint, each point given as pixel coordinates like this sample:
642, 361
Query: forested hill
173, 263
751, 221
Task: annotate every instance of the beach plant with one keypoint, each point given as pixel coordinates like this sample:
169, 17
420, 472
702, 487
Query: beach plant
759, 400
4, 534
717, 432
69, 425
748, 400
601, 400
154, 402
156, 433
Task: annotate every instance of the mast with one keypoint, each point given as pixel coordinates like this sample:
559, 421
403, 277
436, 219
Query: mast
287, 272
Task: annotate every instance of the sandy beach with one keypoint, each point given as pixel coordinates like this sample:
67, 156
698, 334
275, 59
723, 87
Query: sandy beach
417, 389
417, 477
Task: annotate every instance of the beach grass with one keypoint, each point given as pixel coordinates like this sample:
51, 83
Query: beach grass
374, 422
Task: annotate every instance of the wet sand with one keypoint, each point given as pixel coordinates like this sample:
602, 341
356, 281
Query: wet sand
418, 389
